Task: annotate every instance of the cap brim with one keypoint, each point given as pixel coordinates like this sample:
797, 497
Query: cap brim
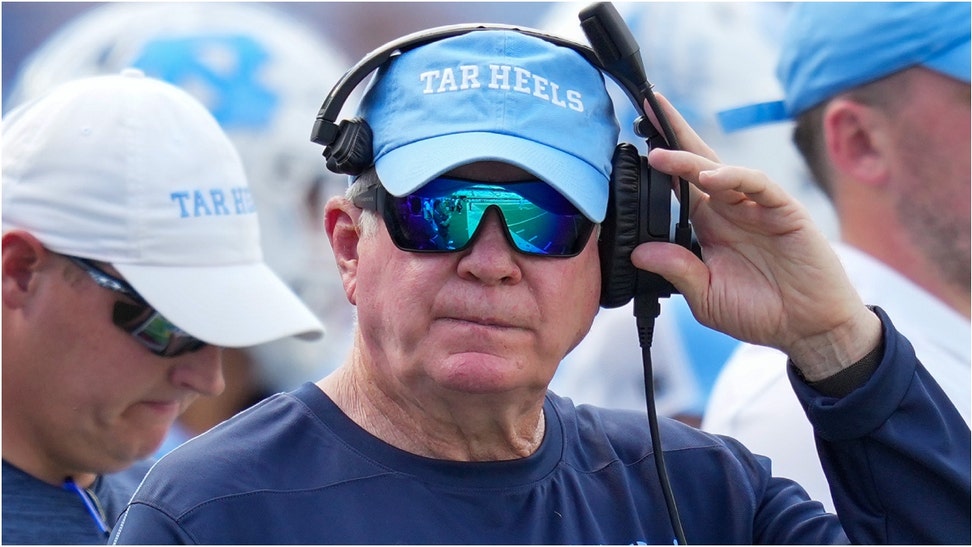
408, 167
230, 305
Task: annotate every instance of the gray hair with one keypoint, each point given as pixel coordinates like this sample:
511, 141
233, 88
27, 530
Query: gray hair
368, 221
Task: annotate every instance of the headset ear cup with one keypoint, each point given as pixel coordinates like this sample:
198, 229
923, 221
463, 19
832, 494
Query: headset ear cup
351, 152
619, 232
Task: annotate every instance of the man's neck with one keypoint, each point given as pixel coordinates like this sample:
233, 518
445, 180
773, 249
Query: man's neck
473, 430
902, 257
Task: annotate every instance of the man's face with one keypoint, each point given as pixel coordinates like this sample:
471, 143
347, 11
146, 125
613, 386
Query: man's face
933, 143
81, 395
484, 320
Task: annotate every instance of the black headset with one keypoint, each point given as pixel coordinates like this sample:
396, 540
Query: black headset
639, 198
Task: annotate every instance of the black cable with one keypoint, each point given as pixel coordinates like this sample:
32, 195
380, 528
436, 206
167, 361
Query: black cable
618, 52
647, 308
646, 327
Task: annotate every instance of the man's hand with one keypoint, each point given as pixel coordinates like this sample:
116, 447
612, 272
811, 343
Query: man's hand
769, 276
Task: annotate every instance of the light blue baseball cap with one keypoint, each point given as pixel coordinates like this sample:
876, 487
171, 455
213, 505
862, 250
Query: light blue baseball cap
831, 47
494, 95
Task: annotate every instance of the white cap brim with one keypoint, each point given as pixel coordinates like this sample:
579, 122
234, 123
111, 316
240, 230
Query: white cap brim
227, 305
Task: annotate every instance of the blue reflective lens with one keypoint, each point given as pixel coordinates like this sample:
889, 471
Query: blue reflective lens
445, 215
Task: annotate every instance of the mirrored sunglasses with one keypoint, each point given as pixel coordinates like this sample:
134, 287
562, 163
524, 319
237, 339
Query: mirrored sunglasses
445, 216
138, 318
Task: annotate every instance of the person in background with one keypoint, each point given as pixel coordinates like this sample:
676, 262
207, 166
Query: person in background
259, 72
704, 57
440, 428
881, 98
131, 256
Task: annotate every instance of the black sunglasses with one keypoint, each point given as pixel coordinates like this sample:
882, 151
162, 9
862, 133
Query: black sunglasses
445, 215
140, 319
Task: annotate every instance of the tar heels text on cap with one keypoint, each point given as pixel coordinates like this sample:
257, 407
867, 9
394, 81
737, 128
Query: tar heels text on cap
502, 77
199, 203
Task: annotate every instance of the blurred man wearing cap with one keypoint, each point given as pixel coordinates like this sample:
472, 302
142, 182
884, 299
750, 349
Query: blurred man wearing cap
882, 109
131, 255
259, 72
439, 427
709, 56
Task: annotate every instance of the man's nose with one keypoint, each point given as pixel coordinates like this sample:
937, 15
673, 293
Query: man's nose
200, 371
491, 258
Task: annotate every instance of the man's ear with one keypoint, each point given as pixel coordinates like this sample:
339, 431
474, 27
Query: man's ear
856, 139
340, 223
22, 257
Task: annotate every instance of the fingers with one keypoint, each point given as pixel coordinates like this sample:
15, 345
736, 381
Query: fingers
699, 165
754, 184
688, 139
685, 165
676, 264
725, 183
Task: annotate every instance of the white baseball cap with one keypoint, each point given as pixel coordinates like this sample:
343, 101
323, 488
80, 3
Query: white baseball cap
135, 172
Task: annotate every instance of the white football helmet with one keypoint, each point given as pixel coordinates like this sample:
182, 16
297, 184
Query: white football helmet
263, 76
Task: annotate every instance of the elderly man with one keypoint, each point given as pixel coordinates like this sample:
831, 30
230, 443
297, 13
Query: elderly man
439, 427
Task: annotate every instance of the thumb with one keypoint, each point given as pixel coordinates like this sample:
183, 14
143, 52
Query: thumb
676, 264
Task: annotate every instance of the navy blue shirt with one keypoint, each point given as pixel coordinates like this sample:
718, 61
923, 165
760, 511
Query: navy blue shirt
295, 469
38, 513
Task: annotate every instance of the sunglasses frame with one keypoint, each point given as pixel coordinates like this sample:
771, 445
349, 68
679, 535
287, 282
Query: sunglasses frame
375, 197
143, 330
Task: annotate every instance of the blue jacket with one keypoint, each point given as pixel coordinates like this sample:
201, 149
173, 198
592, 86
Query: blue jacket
295, 469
